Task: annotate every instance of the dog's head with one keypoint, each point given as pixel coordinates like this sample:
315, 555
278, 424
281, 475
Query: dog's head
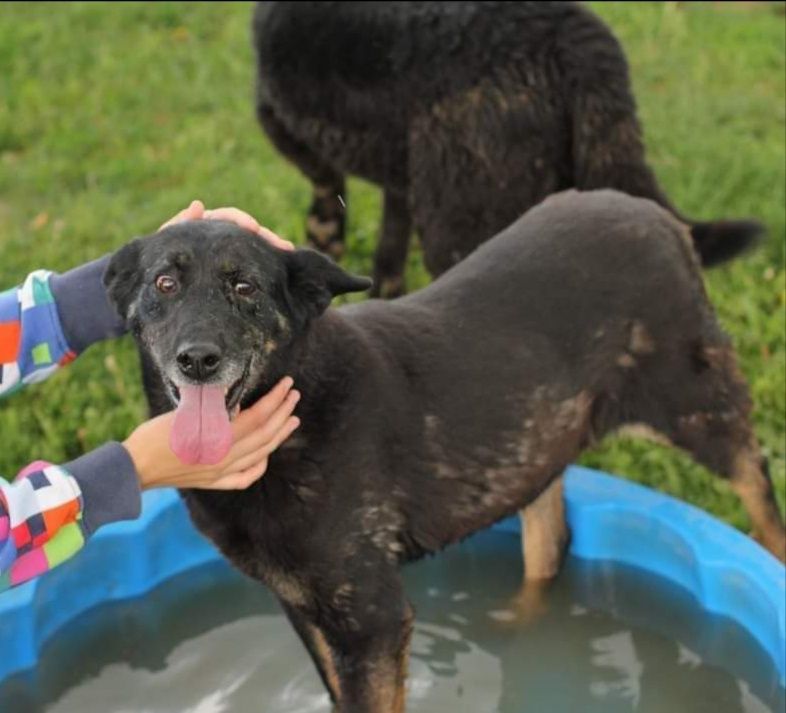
214, 305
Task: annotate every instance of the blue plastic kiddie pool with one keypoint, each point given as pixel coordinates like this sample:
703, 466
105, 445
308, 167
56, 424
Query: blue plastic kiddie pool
610, 520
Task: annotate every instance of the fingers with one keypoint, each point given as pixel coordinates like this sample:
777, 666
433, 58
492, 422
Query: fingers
242, 479
275, 240
251, 418
289, 427
244, 220
264, 431
251, 460
252, 468
279, 417
265, 447
233, 215
264, 408
194, 211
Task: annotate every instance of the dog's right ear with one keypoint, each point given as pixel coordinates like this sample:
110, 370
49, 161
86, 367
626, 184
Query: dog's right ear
314, 280
122, 278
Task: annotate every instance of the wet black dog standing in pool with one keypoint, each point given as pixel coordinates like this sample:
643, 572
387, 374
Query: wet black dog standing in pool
465, 113
432, 416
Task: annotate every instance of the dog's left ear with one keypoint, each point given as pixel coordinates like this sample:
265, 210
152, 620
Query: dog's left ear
314, 280
121, 277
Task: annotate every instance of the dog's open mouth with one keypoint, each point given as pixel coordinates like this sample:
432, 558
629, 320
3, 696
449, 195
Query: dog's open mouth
201, 432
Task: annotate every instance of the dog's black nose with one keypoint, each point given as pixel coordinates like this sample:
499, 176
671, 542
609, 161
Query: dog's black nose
198, 361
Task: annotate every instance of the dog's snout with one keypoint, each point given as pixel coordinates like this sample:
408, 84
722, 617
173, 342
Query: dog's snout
199, 361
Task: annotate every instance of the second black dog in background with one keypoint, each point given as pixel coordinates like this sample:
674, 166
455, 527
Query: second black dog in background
465, 113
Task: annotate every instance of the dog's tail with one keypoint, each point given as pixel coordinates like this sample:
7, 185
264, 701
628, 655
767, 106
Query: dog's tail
607, 148
722, 240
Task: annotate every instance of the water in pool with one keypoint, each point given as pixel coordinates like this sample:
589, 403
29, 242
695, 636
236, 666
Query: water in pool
602, 639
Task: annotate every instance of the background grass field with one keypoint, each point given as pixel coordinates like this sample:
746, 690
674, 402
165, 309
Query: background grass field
114, 115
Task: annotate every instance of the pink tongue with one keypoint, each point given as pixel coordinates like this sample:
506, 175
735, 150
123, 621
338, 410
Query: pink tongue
201, 431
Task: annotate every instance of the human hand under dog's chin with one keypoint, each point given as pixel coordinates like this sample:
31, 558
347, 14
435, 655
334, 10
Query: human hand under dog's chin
257, 432
196, 211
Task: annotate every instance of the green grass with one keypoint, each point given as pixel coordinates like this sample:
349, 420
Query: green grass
113, 116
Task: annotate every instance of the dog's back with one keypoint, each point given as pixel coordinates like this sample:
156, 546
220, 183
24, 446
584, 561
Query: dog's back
351, 78
576, 264
541, 331
369, 62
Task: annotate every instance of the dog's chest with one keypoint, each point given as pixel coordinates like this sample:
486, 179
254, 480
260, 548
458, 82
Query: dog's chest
266, 530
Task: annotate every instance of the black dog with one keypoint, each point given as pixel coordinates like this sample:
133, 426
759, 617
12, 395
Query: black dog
465, 113
429, 417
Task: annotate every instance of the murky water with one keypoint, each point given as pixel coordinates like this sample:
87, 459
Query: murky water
602, 639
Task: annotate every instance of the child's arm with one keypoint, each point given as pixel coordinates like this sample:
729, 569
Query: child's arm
50, 319
49, 511
45, 323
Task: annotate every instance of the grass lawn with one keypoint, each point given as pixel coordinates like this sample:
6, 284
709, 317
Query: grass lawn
114, 115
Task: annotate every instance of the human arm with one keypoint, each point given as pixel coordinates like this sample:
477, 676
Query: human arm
50, 319
49, 511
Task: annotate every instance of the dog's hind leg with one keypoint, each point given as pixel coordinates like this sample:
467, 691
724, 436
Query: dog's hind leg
391, 256
607, 144
460, 197
327, 214
544, 536
720, 436
702, 406
751, 481
737, 456
544, 532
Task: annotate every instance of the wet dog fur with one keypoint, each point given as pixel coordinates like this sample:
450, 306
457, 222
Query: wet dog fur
466, 114
432, 416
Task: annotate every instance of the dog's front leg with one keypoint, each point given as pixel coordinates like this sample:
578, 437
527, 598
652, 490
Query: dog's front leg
372, 664
359, 642
321, 652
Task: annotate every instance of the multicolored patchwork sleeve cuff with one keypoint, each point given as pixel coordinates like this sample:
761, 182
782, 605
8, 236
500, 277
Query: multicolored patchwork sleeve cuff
40, 522
32, 344
49, 511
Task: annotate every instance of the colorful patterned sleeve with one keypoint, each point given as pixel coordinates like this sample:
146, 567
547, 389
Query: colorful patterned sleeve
40, 522
32, 344
49, 511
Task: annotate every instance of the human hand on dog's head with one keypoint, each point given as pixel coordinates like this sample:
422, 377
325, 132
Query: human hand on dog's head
196, 211
256, 433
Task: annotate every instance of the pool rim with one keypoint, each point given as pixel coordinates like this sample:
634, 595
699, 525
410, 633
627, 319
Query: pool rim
610, 519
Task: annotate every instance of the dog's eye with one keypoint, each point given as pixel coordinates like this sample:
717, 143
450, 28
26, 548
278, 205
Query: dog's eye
244, 289
166, 284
